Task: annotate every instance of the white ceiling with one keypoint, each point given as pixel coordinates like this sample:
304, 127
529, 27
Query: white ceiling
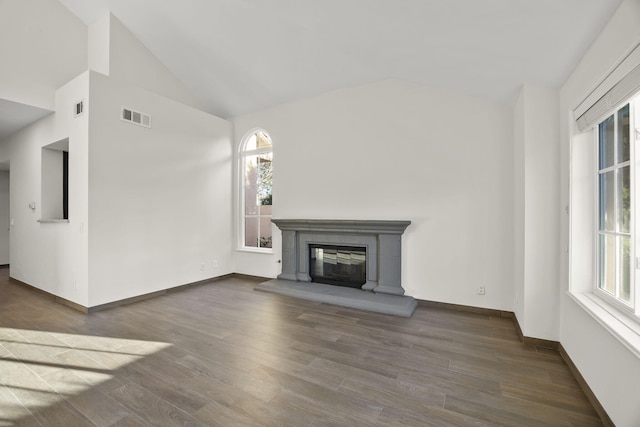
14, 116
241, 56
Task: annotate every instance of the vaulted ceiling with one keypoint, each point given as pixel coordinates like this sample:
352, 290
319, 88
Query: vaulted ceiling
241, 56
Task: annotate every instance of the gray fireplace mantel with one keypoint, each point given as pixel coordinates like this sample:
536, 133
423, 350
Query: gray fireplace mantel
343, 226
382, 240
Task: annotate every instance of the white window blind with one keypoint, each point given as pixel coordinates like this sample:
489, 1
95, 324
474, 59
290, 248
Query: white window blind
619, 85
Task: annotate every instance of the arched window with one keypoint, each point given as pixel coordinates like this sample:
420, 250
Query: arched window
256, 179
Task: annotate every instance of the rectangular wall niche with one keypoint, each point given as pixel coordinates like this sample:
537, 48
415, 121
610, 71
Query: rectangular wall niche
380, 239
54, 200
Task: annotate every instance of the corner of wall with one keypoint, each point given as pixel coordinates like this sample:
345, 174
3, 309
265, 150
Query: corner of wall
99, 44
536, 176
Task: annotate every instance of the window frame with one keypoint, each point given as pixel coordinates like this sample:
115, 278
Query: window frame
243, 153
619, 85
631, 310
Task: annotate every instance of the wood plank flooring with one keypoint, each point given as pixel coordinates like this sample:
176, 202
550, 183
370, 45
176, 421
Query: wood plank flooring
222, 354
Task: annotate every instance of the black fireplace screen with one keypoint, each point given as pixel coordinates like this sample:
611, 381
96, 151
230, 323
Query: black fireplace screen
338, 265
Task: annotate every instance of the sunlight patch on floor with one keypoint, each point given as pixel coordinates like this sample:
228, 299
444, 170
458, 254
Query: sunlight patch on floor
40, 368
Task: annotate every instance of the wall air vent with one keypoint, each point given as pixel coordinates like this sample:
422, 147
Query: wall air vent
78, 108
136, 117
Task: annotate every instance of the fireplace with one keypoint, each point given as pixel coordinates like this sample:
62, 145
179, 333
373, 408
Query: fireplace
381, 241
364, 255
338, 265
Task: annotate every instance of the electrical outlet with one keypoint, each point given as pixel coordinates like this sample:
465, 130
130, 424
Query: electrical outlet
481, 290
201, 267
215, 263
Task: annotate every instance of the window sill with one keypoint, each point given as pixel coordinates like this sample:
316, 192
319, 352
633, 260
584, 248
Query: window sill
618, 323
53, 221
265, 251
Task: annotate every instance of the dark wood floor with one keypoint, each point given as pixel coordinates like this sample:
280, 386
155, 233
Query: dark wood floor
225, 355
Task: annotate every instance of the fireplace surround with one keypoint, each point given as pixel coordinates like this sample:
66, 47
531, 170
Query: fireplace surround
381, 240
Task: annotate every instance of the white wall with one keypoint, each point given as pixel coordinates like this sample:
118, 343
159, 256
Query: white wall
4, 217
43, 47
99, 44
52, 257
154, 210
159, 198
395, 150
609, 367
537, 223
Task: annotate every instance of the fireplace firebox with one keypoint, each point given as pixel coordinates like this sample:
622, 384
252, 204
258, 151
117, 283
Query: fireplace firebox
338, 265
